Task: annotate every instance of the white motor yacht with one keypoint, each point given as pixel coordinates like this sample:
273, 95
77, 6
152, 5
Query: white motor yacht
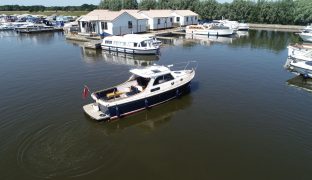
209, 30
130, 44
146, 87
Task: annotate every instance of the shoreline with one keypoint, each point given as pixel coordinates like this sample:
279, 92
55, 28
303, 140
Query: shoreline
277, 27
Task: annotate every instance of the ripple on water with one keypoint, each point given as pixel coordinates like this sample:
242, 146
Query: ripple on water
60, 151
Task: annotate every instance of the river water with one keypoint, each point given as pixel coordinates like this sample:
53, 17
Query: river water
246, 117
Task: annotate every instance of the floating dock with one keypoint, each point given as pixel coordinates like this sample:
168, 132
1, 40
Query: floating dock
94, 44
39, 30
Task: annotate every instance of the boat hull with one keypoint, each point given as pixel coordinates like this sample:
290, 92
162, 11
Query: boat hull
129, 50
211, 32
302, 68
122, 110
306, 36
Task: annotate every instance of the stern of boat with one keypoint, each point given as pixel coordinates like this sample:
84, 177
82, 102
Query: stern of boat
94, 112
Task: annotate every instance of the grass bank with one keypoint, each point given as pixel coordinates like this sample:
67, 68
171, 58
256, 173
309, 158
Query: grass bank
47, 13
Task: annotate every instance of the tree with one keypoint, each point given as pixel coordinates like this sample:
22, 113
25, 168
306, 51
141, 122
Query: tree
147, 4
208, 9
303, 12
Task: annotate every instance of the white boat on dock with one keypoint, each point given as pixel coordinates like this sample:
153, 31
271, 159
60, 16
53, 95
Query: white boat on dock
209, 30
146, 88
132, 44
303, 68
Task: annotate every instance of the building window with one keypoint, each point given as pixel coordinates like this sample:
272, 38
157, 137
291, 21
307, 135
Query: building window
170, 19
104, 25
178, 19
186, 19
129, 24
158, 21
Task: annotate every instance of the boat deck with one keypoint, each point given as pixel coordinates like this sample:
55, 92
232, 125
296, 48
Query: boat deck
94, 113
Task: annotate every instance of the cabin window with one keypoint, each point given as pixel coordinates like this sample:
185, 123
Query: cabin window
129, 24
104, 25
158, 21
170, 19
163, 79
186, 19
178, 19
168, 77
143, 44
135, 44
195, 17
108, 42
83, 24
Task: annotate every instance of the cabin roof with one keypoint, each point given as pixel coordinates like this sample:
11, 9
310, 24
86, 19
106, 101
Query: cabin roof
158, 13
185, 13
107, 15
151, 71
127, 38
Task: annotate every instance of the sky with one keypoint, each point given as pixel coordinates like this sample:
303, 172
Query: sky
59, 2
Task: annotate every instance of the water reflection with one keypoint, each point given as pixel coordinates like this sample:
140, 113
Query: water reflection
272, 40
37, 38
91, 55
149, 120
301, 83
208, 40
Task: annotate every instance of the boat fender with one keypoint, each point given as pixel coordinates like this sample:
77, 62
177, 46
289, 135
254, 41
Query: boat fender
117, 111
146, 103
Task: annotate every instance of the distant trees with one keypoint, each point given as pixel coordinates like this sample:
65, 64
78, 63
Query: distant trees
84, 7
255, 11
116, 5
147, 4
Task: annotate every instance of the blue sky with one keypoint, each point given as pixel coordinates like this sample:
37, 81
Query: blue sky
59, 2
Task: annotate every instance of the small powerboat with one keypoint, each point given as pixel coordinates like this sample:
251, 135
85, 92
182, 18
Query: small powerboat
147, 87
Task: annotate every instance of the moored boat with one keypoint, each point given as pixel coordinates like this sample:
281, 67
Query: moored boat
299, 49
33, 28
209, 30
302, 67
130, 44
243, 27
306, 35
156, 42
145, 88
6, 27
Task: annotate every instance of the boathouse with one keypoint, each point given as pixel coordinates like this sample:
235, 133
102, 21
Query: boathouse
184, 17
158, 19
106, 22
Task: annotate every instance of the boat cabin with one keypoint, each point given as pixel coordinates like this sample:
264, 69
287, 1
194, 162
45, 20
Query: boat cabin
146, 80
128, 42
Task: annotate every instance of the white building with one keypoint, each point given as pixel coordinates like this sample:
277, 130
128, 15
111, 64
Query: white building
158, 19
112, 22
133, 21
184, 17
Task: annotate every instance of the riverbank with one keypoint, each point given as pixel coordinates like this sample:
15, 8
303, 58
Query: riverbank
278, 27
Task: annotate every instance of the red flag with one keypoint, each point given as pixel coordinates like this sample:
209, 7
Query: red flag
85, 92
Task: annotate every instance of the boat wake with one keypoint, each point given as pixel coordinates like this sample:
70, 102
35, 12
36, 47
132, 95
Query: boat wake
58, 151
